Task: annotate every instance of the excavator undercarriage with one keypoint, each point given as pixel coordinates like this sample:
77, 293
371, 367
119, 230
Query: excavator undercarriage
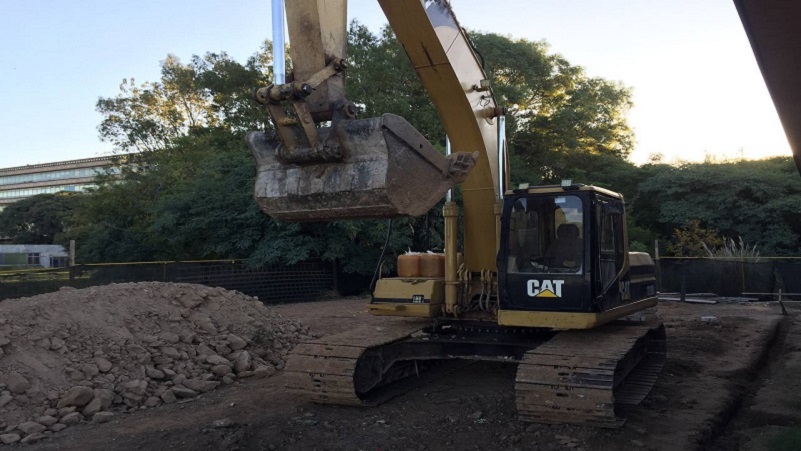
575, 377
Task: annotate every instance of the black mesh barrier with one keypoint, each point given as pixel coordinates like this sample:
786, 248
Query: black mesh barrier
305, 281
730, 277
759, 277
789, 274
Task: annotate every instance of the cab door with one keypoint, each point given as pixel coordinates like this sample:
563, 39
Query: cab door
611, 253
544, 257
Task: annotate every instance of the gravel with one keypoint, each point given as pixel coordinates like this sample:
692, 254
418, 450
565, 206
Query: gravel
81, 355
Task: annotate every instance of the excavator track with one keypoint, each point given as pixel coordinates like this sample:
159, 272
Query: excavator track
338, 369
581, 377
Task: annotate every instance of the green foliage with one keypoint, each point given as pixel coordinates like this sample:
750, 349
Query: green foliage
758, 200
210, 91
692, 240
640, 238
195, 216
111, 224
39, 219
187, 194
559, 119
382, 80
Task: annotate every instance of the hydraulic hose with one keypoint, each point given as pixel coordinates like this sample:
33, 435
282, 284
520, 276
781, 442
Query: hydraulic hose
380, 260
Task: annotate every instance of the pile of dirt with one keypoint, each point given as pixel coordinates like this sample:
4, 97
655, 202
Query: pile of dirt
82, 355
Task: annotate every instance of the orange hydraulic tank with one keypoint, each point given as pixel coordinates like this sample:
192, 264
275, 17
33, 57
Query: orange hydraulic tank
409, 265
432, 265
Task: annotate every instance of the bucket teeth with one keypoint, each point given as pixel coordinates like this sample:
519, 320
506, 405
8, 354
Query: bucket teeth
387, 169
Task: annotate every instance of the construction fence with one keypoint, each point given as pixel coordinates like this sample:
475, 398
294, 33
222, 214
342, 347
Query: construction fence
763, 277
311, 280
305, 281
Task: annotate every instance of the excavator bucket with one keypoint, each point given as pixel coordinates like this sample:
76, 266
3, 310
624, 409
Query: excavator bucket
382, 168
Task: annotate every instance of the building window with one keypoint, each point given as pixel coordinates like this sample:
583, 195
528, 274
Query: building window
58, 262
33, 259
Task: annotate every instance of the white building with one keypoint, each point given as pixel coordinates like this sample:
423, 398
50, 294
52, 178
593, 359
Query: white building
43, 255
74, 175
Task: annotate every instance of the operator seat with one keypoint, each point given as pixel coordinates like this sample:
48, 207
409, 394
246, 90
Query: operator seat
565, 252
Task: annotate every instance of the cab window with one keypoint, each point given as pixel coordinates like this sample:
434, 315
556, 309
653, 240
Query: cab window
546, 235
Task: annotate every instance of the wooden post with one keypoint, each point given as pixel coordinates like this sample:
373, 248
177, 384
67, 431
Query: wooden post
72, 262
72, 253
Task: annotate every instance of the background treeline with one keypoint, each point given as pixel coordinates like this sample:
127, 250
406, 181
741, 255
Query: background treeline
187, 191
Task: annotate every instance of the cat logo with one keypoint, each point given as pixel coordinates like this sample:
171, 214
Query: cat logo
545, 288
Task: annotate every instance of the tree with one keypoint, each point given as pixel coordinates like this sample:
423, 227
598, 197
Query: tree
692, 240
39, 219
382, 80
558, 116
188, 193
210, 91
757, 200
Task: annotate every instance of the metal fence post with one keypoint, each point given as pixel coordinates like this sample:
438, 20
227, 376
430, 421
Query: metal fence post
335, 278
658, 267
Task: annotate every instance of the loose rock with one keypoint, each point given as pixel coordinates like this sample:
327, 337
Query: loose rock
263, 371
31, 427
72, 418
214, 359
17, 383
221, 370
102, 417
5, 399
236, 343
127, 346
76, 396
223, 423
242, 362
183, 392
33, 438
200, 385
94, 406
47, 420
103, 365
8, 439
168, 397
154, 373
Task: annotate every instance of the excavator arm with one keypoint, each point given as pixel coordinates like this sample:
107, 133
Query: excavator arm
324, 163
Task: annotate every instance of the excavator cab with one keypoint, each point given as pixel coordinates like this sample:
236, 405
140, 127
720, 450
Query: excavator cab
565, 249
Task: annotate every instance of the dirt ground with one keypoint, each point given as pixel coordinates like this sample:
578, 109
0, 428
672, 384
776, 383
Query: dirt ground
712, 387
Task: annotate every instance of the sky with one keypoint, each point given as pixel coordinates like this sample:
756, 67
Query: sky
696, 87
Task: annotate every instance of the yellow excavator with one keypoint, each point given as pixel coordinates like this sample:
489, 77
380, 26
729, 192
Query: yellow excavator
545, 278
